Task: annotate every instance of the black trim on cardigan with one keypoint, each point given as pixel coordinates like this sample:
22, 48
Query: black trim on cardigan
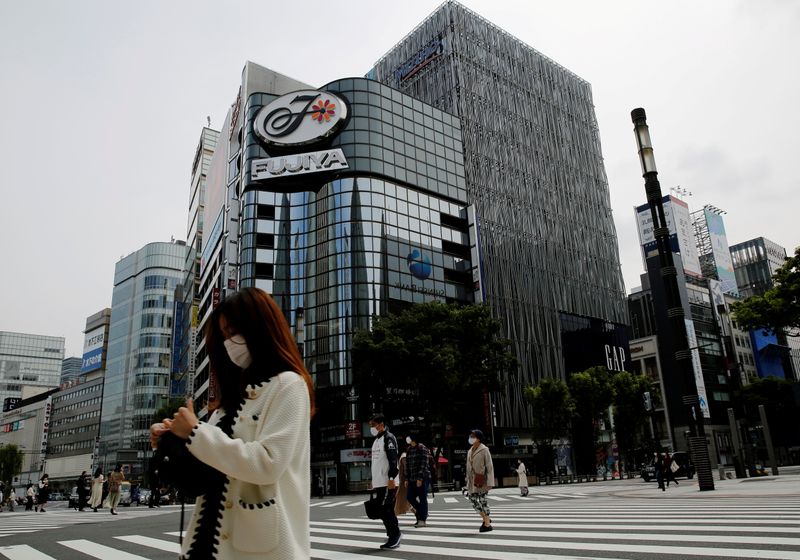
206, 534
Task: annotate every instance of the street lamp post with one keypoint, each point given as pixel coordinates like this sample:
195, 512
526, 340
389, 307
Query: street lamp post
698, 446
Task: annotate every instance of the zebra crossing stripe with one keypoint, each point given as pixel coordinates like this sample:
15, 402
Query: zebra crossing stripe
336, 555
451, 500
447, 552
23, 552
354, 504
497, 498
315, 504
100, 551
160, 544
335, 504
617, 547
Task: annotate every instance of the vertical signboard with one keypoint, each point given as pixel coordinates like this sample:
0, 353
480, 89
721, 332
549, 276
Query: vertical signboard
48, 407
721, 252
177, 342
681, 233
93, 343
698, 370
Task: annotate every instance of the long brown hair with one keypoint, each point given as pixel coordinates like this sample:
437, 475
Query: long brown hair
253, 314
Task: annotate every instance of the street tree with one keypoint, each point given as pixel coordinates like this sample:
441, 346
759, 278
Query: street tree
432, 360
592, 392
630, 415
552, 408
779, 308
10, 463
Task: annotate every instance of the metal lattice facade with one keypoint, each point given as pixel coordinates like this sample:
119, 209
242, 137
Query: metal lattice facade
534, 171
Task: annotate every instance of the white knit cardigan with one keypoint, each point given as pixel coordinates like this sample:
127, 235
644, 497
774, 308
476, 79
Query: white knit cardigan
266, 503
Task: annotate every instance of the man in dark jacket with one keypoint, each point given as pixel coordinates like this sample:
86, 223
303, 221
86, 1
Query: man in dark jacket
418, 474
83, 489
384, 471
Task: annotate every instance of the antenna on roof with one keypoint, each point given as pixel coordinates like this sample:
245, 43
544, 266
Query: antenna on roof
208, 118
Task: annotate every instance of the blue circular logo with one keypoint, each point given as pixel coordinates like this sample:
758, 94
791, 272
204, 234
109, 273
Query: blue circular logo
419, 264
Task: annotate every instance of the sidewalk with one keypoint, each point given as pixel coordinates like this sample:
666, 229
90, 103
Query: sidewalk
784, 485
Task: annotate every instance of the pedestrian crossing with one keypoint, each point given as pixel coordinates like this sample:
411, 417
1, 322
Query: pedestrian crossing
633, 529
456, 498
636, 529
30, 522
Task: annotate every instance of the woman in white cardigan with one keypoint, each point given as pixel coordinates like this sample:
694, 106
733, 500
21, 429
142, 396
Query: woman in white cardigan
257, 439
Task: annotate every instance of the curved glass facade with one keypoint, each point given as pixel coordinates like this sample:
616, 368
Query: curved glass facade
138, 359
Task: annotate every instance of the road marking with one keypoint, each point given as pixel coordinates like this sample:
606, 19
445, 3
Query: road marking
451, 500
334, 504
100, 551
315, 504
354, 504
160, 544
23, 552
336, 555
494, 541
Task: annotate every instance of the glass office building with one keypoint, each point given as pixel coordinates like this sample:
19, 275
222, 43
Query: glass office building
139, 350
29, 361
534, 173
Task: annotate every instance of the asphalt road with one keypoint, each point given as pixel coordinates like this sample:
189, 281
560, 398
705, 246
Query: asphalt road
631, 519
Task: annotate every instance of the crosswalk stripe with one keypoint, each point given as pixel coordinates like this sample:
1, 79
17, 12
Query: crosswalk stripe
624, 536
160, 544
176, 533
315, 504
354, 504
23, 552
336, 555
455, 552
451, 500
100, 551
559, 545
497, 498
665, 522
335, 504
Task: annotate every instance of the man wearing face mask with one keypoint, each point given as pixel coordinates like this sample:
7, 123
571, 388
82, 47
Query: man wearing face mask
384, 471
418, 474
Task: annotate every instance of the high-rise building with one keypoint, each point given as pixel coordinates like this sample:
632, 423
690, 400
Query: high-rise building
534, 172
754, 263
139, 351
29, 361
712, 247
187, 302
70, 369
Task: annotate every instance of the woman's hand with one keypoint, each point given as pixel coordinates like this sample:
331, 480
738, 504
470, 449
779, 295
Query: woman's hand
185, 420
155, 432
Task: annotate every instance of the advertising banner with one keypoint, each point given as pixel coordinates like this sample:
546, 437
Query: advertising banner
355, 455
721, 252
681, 230
93, 344
698, 370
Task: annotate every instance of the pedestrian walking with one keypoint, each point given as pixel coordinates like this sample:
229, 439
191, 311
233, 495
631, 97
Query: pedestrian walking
659, 466
29, 494
401, 505
318, 486
83, 489
669, 474
480, 477
418, 476
44, 493
255, 502
522, 473
155, 486
2, 497
115, 488
98, 482
12, 499
384, 471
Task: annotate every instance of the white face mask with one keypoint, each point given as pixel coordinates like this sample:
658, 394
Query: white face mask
373, 430
472, 440
238, 352
408, 440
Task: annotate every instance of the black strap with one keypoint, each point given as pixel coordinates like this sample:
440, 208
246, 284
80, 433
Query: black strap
180, 529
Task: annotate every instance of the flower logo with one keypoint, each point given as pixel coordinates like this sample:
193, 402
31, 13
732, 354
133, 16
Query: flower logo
322, 112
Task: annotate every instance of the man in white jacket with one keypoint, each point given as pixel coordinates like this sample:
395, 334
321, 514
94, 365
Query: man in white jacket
384, 471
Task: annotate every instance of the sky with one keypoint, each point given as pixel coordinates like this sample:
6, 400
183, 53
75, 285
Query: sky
102, 104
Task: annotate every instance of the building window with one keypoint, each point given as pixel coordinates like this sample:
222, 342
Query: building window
264, 271
265, 241
266, 211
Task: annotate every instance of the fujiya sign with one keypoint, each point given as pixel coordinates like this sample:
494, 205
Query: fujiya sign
300, 118
297, 164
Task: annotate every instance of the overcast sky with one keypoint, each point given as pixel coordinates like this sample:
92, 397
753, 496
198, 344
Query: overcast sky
102, 103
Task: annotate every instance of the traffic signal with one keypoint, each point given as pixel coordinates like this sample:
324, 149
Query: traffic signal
648, 402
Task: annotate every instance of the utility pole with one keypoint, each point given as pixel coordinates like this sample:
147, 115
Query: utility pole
698, 447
